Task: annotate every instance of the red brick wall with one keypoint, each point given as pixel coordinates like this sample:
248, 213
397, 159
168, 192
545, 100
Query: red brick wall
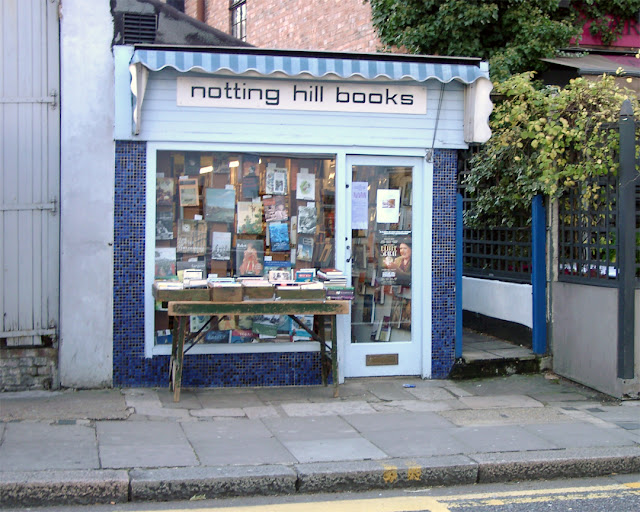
335, 25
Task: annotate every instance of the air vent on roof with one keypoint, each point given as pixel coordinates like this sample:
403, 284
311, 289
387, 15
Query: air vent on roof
139, 28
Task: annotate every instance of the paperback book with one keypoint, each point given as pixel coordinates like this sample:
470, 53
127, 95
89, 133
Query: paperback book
165, 262
276, 181
275, 208
279, 236
165, 189
305, 248
307, 220
164, 224
306, 187
249, 257
189, 195
192, 236
220, 245
249, 218
250, 178
220, 204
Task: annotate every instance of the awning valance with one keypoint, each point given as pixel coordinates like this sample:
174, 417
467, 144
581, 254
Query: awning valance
342, 67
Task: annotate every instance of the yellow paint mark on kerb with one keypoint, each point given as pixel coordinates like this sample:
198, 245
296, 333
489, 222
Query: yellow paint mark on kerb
390, 474
400, 504
414, 473
633, 485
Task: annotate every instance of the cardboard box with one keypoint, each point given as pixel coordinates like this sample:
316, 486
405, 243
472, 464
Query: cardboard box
226, 293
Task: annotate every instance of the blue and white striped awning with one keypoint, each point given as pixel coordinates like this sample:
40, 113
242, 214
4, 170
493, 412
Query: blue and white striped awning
346, 66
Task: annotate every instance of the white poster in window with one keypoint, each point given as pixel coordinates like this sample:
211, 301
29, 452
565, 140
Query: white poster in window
388, 206
306, 187
359, 205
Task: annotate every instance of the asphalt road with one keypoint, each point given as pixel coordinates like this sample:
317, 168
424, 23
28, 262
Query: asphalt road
616, 493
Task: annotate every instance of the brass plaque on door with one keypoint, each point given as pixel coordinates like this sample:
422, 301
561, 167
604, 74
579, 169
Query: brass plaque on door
381, 359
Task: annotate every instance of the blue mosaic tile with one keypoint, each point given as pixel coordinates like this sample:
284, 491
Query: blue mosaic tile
443, 307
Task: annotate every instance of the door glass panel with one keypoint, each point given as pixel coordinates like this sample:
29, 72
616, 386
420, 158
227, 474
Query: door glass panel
381, 253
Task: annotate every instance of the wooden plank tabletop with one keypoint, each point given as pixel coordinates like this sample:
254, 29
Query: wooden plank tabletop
261, 307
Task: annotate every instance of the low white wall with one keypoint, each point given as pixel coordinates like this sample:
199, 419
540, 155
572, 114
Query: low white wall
87, 190
498, 299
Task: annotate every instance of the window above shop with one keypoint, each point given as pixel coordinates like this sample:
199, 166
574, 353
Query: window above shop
239, 19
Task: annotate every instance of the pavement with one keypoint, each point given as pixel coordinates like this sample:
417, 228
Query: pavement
118, 445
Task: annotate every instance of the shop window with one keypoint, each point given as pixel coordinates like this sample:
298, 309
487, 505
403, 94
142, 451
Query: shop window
239, 19
232, 215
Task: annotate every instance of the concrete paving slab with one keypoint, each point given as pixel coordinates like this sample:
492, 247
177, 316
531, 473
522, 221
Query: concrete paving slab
263, 411
480, 355
147, 403
628, 425
81, 487
399, 421
228, 398
572, 463
510, 438
499, 402
217, 452
431, 393
188, 399
513, 353
388, 391
143, 444
417, 406
326, 409
334, 449
309, 428
511, 416
353, 476
493, 344
558, 397
168, 484
278, 395
101, 404
580, 435
617, 413
218, 413
416, 443
36, 446
228, 428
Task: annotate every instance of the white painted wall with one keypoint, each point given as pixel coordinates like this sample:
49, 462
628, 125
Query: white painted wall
498, 299
87, 190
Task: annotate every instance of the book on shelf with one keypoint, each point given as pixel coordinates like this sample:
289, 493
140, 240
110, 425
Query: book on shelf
279, 236
165, 262
191, 264
307, 219
160, 284
164, 224
298, 333
165, 190
249, 218
242, 336
189, 193
249, 257
192, 236
250, 178
220, 245
305, 248
220, 205
305, 274
306, 186
192, 163
275, 208
279, 276
276, 181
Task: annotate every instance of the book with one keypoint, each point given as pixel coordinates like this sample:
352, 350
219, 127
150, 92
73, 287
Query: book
215, 336
305, 275
279, 276
192, 163
220, 205
276, 265
306, 187
192, 264
276, 181
279, 236
164, 224
192, 236
249, 257
298, 333
165, 190
189, 194
249, 218
250, 177
165, 262
220, 245
275, 208
305, 248
307, 219
242, 336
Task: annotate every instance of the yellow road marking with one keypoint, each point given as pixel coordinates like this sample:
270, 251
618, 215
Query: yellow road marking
390, 473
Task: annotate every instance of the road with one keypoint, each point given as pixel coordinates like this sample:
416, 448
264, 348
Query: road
617, 493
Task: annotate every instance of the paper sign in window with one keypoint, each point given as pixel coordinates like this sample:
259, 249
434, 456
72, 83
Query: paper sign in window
388, 206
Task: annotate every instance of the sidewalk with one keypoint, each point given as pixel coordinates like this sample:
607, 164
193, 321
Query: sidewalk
101, 446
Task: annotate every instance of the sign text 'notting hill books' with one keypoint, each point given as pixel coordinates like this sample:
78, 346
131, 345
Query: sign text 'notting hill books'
301, 95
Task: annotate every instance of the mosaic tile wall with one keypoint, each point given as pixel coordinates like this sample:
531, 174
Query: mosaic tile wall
443, 307
130, 367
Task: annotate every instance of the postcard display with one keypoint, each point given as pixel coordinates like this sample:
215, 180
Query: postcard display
381, 267
241, 215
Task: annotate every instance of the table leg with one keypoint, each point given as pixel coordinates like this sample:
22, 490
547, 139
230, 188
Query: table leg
324, 371
178, 358
334, 356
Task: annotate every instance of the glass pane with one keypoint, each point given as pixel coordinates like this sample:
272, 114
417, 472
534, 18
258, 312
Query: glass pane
232, 215
381, 268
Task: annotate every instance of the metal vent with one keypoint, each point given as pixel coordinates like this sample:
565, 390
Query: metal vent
139, 28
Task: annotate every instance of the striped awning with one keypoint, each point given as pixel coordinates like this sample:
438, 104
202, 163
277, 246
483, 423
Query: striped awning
309, 63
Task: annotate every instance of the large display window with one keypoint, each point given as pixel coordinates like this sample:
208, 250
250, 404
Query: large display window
231, 215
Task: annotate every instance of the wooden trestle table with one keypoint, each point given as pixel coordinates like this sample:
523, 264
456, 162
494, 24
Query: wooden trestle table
182, 309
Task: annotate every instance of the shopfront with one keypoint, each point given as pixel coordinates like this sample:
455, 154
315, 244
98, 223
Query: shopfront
241, 162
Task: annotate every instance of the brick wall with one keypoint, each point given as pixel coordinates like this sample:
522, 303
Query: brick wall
334, 25
28, 368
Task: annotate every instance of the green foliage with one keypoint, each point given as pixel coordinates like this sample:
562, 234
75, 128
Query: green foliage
512, 34
544, 140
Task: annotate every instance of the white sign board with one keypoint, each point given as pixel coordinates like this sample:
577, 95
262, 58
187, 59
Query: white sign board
327, 96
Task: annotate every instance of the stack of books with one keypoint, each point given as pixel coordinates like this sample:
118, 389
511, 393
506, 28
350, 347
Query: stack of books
332, 276
335, 284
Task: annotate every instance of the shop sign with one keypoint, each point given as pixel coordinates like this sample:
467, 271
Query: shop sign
301, 95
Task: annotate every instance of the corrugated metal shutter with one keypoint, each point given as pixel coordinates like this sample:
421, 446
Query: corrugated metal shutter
29, 172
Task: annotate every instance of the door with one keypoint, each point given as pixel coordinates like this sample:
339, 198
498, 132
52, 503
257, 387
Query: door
388, 230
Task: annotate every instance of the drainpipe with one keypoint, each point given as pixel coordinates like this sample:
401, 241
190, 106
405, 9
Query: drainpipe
200, 10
